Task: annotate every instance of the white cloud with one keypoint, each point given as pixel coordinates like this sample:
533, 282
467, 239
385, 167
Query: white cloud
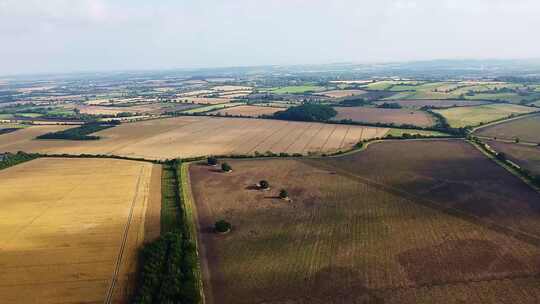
57, 35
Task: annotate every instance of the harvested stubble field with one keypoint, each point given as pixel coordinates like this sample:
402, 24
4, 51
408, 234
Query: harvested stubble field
199, 136
526, 129
155, 108
69, 226
527, 157
349, 236
375, 115
474, 116
251, 111
419, 103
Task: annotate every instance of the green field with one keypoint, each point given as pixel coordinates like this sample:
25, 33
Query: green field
297, 89
474, 116
393, 85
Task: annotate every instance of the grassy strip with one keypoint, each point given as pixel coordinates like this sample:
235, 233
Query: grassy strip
170, 271
9, 160
190, 219
78, 133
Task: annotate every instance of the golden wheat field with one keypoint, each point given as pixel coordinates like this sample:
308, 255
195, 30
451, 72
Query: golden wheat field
199, 136
72, 227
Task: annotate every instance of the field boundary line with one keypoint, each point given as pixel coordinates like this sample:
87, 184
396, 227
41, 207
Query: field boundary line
110, 290
414, 199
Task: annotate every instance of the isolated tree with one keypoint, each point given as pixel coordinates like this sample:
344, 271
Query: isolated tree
283, 194
226, 167
212, 161
264, 184
222, 226
517, 140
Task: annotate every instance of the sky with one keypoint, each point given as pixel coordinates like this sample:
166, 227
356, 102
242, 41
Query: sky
41, 36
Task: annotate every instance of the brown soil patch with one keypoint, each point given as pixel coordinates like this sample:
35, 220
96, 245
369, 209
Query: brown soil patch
461, 259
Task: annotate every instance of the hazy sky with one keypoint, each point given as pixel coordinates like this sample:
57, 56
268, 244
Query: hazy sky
77, 35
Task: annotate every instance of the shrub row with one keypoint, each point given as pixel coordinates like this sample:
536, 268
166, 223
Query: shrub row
529, 176
9, 159
168, 265
78, 133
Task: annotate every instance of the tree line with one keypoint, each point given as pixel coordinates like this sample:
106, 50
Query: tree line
169, 265
9, 159
79, 133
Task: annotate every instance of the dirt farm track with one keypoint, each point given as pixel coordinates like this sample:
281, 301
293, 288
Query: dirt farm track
71, 229
198, 136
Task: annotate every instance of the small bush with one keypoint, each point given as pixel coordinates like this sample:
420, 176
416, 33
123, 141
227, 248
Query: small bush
212, 161
226, 167
283, 194
222, 226
264, 185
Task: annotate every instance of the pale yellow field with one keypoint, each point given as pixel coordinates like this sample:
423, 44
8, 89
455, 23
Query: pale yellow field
252, 111
70, 227
200, 136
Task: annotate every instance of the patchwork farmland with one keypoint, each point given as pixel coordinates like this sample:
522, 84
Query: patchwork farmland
71, 229
198, 136
474, 116
370, 227
419, 103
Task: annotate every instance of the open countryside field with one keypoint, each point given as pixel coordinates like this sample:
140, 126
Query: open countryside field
156, 108
471, 90
527, 157
443, 103
72, 226
297, 89
474, 116
199, 136
454, 175
250, 111
342, 93
346, 239
375, 115
526, 129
